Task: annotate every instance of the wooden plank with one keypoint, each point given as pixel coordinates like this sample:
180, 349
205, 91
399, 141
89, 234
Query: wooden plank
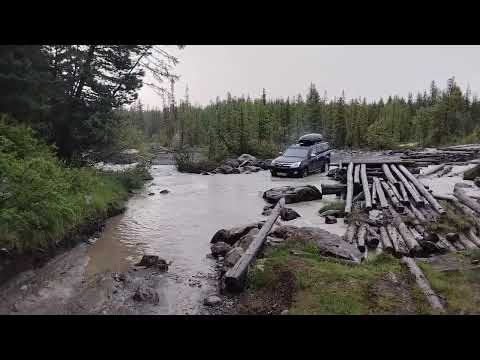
391, 195
421, 188
235, 276
403, 191
366, 190
423, 283
389, 175
348, 202
356, 177
433, 170
415, 195
381, 195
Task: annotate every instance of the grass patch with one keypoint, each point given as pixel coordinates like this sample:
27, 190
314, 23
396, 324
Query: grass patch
459, 289
318, 286
42, 199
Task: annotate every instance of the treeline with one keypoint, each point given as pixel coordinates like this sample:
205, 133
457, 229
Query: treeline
69, 93
261, 126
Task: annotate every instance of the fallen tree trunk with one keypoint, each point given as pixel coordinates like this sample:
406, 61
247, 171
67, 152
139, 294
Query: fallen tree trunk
404, 199
356, 177
348, 202
433, 170
467, 243
362, 232
389, 175
446, 243
386, 243
473, 238
374, 195
418, 214
415, 195
420, 187
445, 170
350, 233
414, 247
381, 195
465, 199
366, 190
423, 283
391, 195
236, 276
397, 241
472, 173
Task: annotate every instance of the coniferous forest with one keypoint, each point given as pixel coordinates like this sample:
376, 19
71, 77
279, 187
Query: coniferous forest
262, 126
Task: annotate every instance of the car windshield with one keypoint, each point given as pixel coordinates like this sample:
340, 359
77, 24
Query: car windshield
296, 152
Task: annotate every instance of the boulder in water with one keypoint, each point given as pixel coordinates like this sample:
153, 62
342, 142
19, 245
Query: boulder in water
220, 248
246, 240
153, 261
233, 256
329, 219
164, 191
212, 300
287, 214
245, 157
292, 194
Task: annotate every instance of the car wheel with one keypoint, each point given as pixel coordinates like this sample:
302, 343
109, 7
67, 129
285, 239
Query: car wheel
304, 172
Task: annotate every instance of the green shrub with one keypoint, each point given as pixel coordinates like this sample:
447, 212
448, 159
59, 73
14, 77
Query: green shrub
41, 199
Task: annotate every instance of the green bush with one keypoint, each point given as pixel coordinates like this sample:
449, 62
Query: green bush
41, 199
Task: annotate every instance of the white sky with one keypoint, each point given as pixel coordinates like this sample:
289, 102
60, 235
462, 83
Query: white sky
362, 71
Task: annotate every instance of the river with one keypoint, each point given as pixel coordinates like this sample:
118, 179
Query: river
176, 226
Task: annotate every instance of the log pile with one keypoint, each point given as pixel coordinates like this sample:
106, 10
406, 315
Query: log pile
442, 156
392, 208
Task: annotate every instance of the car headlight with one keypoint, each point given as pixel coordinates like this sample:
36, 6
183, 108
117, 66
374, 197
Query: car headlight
273, 162
294, 165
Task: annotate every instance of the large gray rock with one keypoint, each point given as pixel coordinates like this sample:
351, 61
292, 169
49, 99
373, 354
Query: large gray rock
226, 169
244, 157
153, 261
220, 249
233, 256
246, 240
232, 162
282, 231
328, 244
231, 236
287, 214
292, 194
252, 168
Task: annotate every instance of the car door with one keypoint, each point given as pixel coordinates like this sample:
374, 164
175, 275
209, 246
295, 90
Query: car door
314, 163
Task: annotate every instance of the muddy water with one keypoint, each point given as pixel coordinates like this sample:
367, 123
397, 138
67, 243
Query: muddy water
179, 225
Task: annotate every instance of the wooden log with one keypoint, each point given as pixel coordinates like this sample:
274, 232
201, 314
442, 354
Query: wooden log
362, 232
445, 171
235, 276
348, 202
329, 189
423, 283
414, 247
458, 245
421, 188
472, 173
408, 186
432, 170
359, 197
385, 240
467, 243
395, 191
472, 215
366, 190
350, 233
447, 243
381, 195
372, 238
397, 241
356, 177
473, 238
418, 214
403, 191
462, 196
411, 216
389, 175
391, 195
374, 195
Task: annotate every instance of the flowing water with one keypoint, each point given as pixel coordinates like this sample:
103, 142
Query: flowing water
178, 227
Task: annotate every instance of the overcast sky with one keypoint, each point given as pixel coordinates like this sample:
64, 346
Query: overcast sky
362, 71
